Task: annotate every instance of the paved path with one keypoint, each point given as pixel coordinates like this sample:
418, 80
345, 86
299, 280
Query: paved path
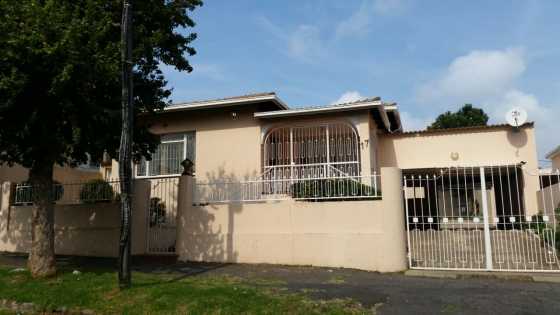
389, 293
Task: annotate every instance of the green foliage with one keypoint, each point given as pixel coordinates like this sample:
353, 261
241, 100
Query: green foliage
157, 211
160, 293
97, 190
332, 189
544, 229
60, 80
467, 116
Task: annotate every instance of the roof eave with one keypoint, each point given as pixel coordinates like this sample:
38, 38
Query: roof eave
318, 110
393, 108
227, 103
550, 155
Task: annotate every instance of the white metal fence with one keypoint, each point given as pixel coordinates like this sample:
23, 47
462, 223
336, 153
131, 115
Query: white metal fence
477, 218
319, 188
163, 203
71, 193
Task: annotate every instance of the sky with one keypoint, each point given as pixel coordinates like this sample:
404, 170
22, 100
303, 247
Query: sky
427, 56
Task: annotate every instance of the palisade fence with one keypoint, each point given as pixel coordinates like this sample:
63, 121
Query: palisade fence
334, 188
93, 191
478, 218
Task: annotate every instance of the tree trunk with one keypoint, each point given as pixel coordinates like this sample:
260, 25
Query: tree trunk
125, 150
42, 262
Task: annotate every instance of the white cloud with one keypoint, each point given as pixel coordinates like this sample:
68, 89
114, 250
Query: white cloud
489, 79
412, 123
385, 7
304, 43
348, 97
211, 71
475, 76
359, 22
544, 116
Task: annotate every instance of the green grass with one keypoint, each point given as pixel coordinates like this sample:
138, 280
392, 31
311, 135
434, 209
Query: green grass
162, 294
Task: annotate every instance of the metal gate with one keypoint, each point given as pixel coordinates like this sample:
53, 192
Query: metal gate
478, 218
162, 215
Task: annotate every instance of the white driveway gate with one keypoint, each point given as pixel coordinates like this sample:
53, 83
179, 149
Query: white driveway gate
162, 215
477, 218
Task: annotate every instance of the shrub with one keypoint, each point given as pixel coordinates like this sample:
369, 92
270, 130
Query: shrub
537, 223
329, 189
157, 211
97, 190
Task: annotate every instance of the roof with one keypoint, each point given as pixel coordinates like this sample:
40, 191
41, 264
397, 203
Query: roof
228, 101
359, 104
463, 129
553, 153
386, 113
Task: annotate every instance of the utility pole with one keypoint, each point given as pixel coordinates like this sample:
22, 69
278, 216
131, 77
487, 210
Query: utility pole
125, 150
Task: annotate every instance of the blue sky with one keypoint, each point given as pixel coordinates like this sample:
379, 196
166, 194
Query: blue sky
428, 56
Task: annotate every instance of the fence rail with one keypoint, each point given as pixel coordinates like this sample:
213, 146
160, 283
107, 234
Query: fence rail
319, 188
72, 193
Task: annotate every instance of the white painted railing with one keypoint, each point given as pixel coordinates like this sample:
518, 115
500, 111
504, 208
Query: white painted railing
317, 188
72, 193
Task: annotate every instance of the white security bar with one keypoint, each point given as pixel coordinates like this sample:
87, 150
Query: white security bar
72, 193
314, 188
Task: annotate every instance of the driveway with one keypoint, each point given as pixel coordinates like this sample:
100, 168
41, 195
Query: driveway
387, 293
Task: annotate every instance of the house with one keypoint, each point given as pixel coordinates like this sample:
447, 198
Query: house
324, 186
554, 157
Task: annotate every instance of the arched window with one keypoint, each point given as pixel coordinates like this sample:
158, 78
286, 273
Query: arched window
316, 151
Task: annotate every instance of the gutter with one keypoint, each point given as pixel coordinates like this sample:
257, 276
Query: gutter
316, 110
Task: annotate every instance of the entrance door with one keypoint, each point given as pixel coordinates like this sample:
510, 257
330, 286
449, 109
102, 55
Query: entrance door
477, 218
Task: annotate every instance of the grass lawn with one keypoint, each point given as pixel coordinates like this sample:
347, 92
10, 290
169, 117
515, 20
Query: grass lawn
162, 294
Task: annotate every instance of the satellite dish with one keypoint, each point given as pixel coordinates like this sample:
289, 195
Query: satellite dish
516, 117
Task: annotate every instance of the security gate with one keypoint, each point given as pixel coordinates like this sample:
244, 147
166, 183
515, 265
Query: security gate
477, 218
162, 215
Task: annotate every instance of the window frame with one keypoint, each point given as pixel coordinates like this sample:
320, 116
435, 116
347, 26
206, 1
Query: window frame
184, 140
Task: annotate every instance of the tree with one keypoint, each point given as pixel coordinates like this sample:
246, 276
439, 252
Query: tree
467, 116
60, 88
125, 148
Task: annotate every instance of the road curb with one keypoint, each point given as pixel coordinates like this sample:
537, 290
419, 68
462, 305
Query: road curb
548, 278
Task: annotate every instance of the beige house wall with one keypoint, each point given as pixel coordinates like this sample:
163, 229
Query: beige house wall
549, 199
81, 229
556, 162
367, 235
488, 146
226, 148
230, 148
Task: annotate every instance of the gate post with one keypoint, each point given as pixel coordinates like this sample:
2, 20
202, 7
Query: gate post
487, 244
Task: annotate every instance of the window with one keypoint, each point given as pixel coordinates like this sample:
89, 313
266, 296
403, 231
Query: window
329, 150
166, 160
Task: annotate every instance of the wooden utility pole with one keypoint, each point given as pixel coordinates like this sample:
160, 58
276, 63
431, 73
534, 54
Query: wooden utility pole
125, 150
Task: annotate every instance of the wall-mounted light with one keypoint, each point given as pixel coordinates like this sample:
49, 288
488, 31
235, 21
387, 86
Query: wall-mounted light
234, 115
454, 156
